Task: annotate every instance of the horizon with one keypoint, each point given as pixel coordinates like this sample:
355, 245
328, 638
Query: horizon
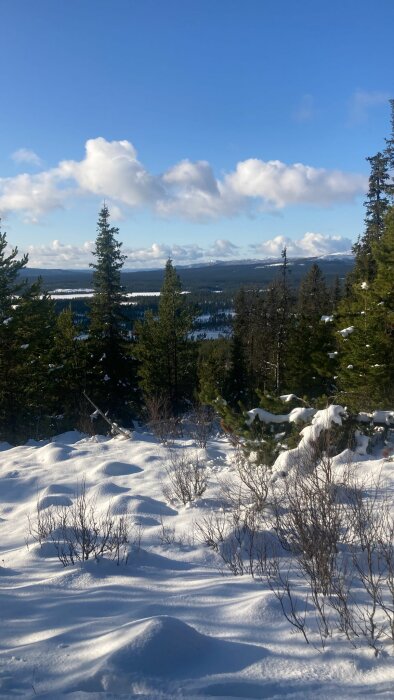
256, 142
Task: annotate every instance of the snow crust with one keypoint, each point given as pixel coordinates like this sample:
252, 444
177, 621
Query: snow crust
168, 624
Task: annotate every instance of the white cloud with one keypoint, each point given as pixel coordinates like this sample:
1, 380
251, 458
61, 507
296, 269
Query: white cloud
310, 245
223, 248
111, 169
279, 185
33, 195
188, 190
61, 255
362, 101
58, 254
25, 155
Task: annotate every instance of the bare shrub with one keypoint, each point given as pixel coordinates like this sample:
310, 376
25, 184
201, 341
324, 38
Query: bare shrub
202, 424
255, 477
80, 532
234, 535
42, 526
161, 422
186, 476
372, 551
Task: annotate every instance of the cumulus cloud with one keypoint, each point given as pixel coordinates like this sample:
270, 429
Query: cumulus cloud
32, 195
61, 255
26, 155
112, 169
58, 254
310, 245
277, 184
362, 101
222, 248
190, 190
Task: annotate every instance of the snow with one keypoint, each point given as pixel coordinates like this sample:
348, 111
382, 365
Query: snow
297, 415
321, 420
168, 624
346, 331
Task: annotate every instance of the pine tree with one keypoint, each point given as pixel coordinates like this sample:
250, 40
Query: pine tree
110, 366
165, 352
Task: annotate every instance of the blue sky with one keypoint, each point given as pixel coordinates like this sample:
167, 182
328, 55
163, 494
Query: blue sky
212, 128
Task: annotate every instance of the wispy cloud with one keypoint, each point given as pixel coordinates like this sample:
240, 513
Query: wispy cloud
25, 155
188, 190
306, 110
362, 101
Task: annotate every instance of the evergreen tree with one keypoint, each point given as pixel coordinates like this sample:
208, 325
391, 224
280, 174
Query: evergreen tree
110, 366
389, 153
376, 204
10, 267
311, 346
26, 406
367, 352
166, 354
68, 369
280, 323
213, 367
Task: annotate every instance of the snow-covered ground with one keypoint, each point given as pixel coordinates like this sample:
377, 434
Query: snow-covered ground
169, 623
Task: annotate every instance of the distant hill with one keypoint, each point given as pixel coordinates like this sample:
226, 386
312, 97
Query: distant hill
216, 276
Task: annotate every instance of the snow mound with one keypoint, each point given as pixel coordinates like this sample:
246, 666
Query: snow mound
106, 490
56, 489
118, 469
122, 505
150, 506
165, 646
71, 437
54, 500
54, 453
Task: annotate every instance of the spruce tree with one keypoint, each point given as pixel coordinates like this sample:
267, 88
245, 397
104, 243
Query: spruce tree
26, 391
109, 376
68, 369
367, 352
376, 204
166, 354
311, 365
389, 154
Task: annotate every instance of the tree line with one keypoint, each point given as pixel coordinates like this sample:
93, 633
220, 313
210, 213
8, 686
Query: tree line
322, 343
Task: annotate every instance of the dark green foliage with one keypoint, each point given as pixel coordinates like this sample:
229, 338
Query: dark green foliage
213, 366
376, 204
68, 370
25, 394
167, 356
367, 354
311, 364
110, 366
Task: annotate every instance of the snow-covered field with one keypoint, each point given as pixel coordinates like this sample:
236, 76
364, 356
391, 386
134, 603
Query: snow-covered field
169, 623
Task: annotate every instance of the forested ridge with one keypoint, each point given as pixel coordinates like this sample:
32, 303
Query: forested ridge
323, 341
